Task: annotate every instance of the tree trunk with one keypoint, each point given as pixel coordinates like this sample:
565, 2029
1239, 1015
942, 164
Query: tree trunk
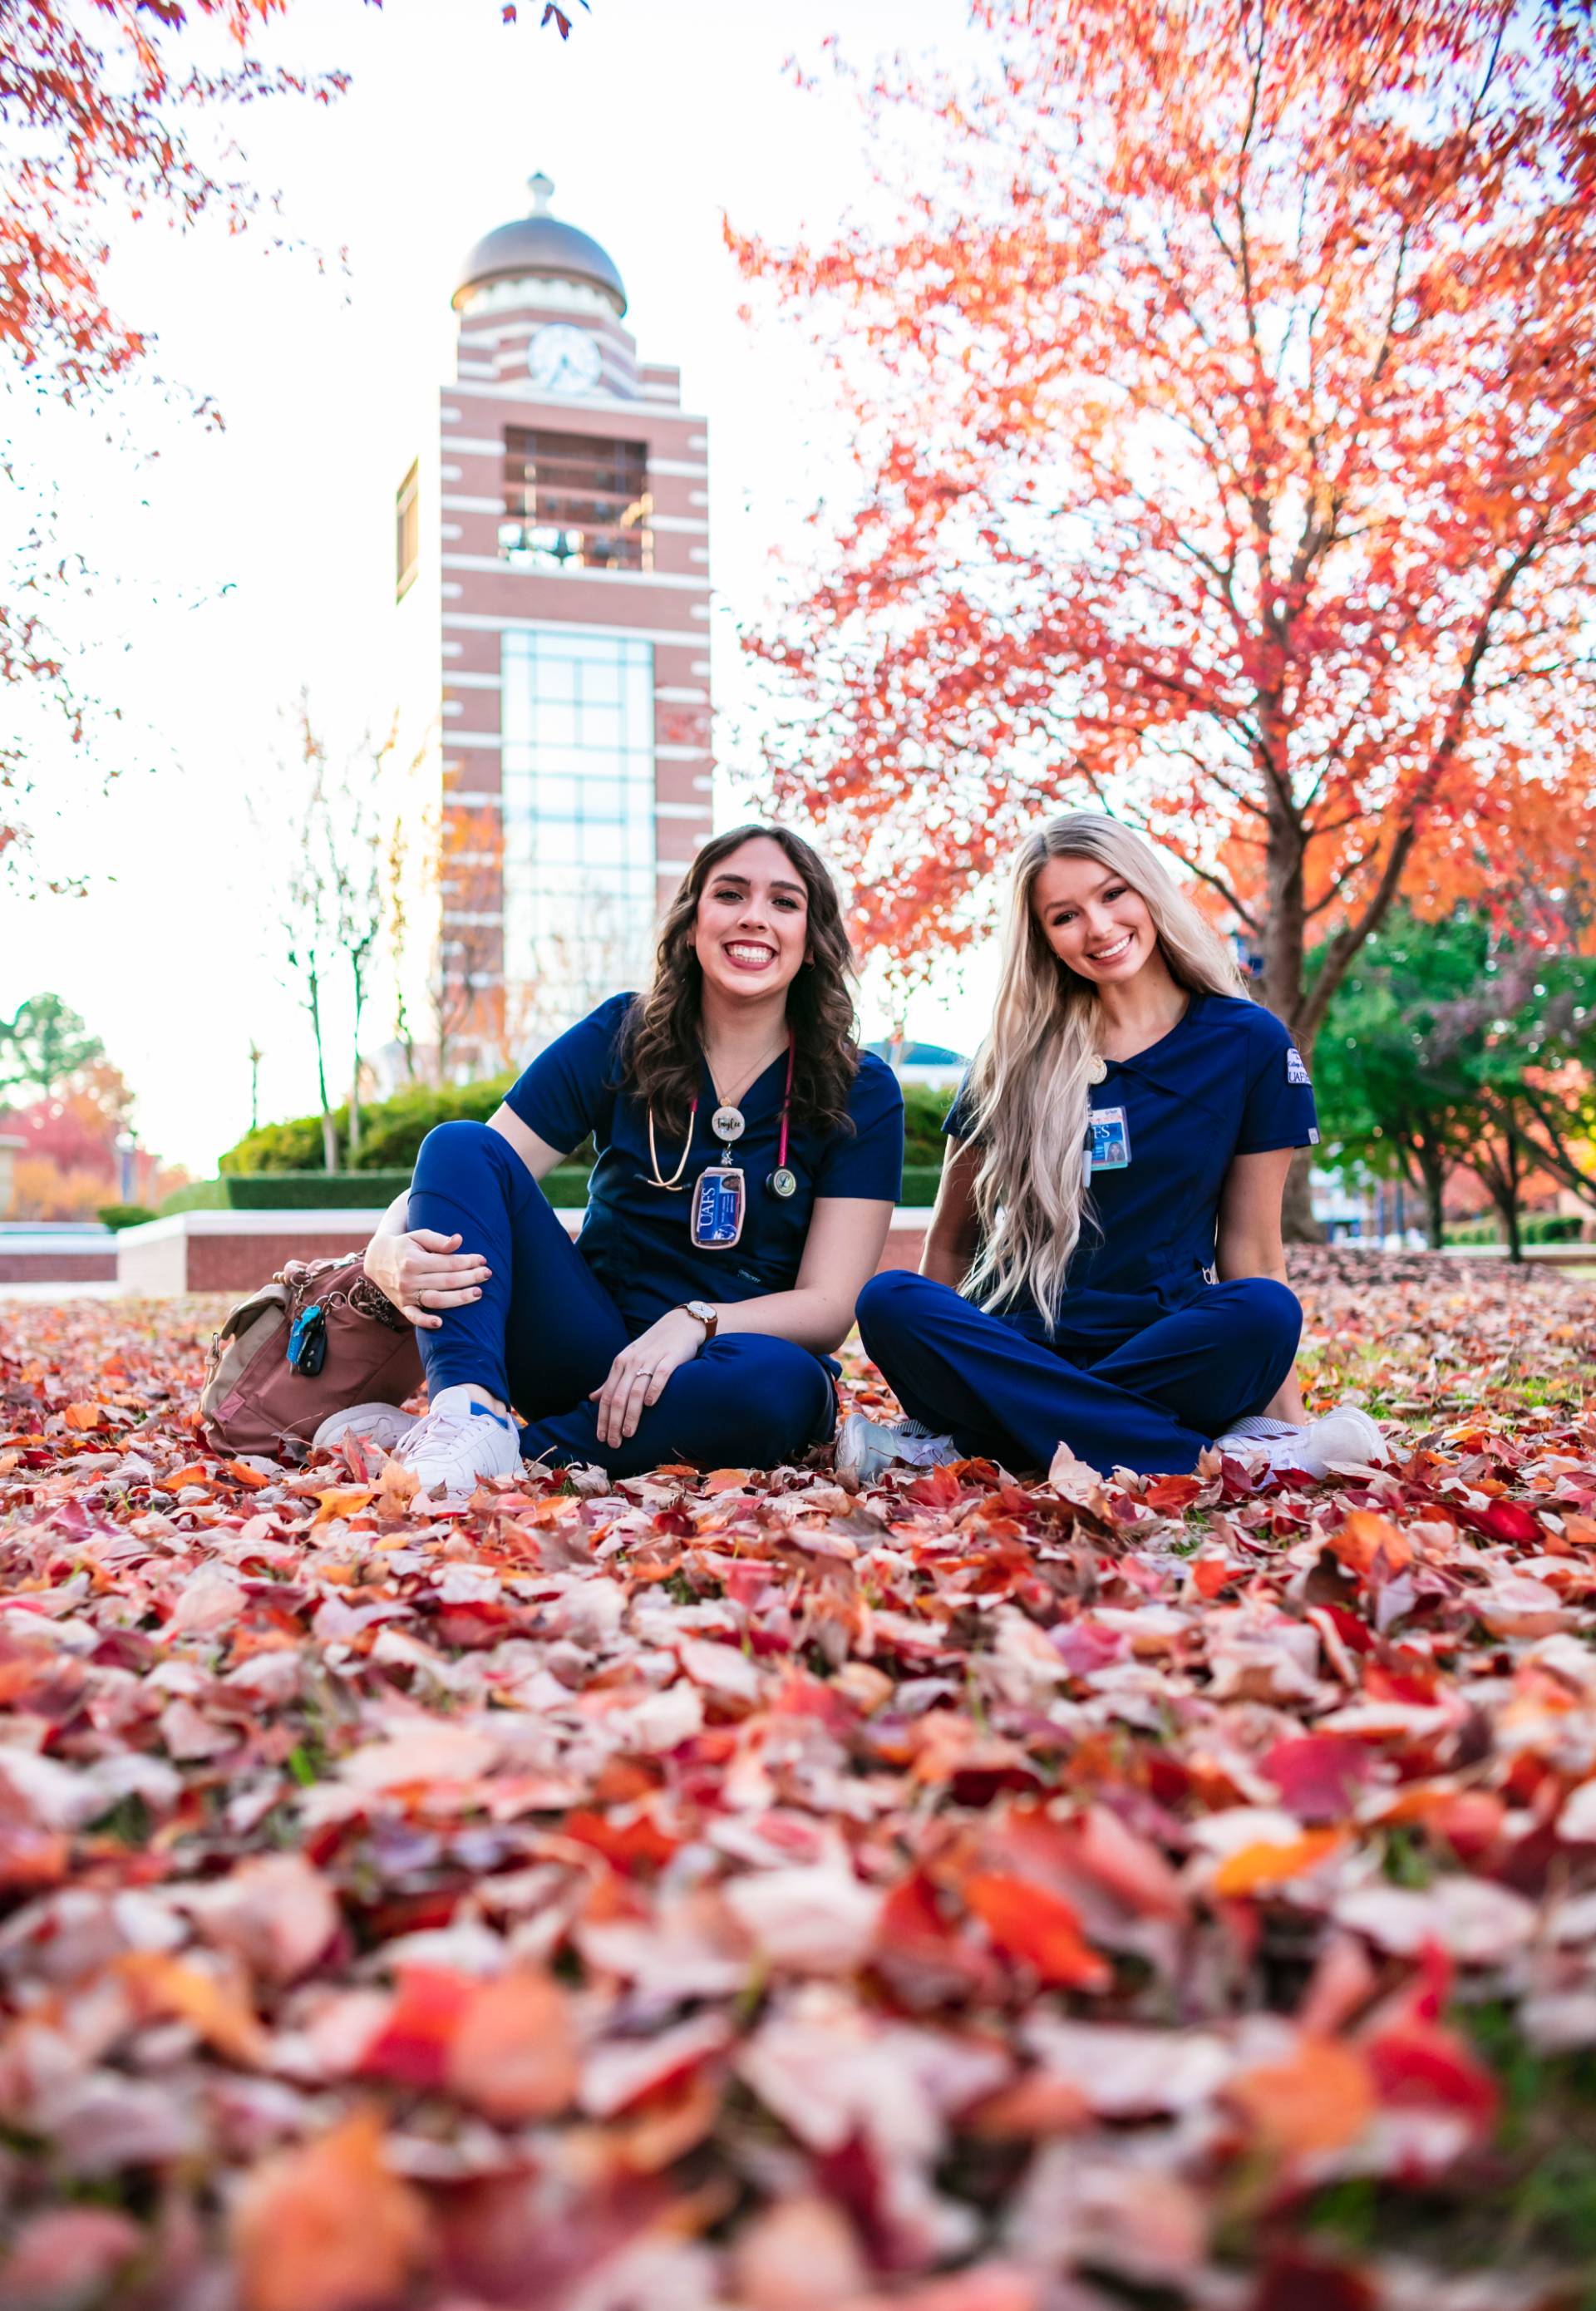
1434, 1174
1503, 1178
329, 1129
354, 1086
1508, 1206
1297, 1223
1285, 952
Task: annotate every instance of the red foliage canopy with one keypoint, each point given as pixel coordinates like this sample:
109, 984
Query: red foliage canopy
95, 98
1225, 406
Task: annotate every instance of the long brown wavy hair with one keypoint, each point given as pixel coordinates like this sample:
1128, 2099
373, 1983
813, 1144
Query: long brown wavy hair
660, 1054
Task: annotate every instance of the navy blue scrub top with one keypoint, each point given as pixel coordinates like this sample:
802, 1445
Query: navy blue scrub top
1225, 1081
635, 1236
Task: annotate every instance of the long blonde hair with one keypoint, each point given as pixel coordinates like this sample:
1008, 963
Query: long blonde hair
1029, 1088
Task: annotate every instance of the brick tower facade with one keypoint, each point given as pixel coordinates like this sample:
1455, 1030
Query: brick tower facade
571, 565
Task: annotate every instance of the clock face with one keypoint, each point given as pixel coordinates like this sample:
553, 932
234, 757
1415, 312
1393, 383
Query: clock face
561, 359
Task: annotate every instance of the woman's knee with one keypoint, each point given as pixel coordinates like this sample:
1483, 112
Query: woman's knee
779, 1380
448, 1146
1269, 1312
459, 1153
891, 1306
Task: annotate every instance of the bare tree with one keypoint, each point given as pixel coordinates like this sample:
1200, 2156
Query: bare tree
398, 916
311, 910
355, 857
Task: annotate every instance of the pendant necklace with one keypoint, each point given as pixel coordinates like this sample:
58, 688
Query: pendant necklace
1097, 1069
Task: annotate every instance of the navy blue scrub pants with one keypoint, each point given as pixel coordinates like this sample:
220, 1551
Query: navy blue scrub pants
546, 1331
1150, 1402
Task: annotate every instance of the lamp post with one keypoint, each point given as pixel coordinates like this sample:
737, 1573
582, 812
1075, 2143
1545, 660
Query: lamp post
10, 1146
127, 1149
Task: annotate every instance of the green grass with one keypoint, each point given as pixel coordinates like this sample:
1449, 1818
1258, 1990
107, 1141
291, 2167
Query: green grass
1531, 2200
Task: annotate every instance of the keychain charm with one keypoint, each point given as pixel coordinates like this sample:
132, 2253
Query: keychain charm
307, 1342
726, 1124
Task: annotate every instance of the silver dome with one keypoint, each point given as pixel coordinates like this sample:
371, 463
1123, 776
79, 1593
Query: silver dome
540, 244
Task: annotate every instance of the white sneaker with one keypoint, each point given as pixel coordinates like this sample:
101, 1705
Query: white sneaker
381, 1425
1343, 1434
457, 1444
865, 1447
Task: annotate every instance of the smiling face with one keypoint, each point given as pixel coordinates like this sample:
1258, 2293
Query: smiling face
1094, 921
752, 928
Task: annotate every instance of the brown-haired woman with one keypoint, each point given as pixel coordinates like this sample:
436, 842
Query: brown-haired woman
749, 1158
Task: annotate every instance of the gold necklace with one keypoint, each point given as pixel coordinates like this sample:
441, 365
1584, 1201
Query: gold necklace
727, 1122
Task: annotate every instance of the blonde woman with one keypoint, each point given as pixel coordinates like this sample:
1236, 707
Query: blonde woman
1104, 1267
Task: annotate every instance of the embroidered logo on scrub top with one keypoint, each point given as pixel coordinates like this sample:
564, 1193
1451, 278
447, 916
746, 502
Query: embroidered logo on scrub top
1108, 1140
1295, 1072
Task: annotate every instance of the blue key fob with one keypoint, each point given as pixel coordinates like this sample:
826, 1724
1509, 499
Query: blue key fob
307, 1340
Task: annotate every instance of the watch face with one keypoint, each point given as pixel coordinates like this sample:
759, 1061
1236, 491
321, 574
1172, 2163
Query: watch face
561, 359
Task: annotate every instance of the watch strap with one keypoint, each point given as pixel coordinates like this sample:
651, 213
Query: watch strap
703, 1313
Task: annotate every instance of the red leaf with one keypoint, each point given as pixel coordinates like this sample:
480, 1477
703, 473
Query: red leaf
1419, 2062
1040, 1928
1506, 1520
1318, 1775
413, 2044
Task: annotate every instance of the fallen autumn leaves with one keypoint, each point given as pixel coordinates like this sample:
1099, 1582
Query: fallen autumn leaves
724, 1892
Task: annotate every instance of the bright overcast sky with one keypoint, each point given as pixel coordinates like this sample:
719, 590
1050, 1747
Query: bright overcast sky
237, 566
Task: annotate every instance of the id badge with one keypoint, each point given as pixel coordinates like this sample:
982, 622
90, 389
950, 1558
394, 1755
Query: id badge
719, 1199
1108, 1140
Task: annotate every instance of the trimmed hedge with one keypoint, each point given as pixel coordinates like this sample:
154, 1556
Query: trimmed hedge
198, 1196
1534, 1227
121, 1215
924, 1107
301, 1191
566, 1188
919, 1184
392, 1131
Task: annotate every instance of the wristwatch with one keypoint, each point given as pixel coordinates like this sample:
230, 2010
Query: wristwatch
705, 1315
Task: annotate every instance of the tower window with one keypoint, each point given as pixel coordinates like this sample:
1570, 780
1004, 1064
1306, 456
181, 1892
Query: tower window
574, 502
406, 533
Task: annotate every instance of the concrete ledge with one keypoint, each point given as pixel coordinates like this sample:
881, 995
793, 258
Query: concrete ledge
229, 1252
235, 1251
47, 1251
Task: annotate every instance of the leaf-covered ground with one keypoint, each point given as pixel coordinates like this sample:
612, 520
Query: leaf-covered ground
727, 1891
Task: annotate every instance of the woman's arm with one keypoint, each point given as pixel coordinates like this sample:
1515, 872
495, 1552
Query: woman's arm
951, 1238
841, 1253
421, 1270
1250, 1243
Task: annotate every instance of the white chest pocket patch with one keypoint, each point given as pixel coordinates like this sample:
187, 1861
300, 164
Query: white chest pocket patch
1295, 1072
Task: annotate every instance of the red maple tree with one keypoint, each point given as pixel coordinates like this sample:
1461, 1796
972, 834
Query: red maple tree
1224, 410
97, 98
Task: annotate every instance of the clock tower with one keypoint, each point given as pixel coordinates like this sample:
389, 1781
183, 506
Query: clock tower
571, 614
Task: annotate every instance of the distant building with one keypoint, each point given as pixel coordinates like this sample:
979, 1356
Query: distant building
912, 1062
554, 565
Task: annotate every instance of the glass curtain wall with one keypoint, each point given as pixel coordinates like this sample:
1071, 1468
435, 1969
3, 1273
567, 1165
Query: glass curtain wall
578, 731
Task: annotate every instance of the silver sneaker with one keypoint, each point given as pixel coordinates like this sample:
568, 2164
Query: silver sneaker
865, 1447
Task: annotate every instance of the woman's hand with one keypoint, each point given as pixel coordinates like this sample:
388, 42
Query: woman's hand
639, 1374
423, 1272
